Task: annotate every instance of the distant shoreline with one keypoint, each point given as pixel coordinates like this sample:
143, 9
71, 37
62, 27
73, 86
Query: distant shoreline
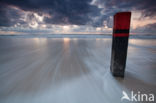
77, 36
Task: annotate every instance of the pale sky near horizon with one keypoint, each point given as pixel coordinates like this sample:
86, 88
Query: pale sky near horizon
74, 16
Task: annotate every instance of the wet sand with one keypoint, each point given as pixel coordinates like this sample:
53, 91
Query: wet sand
76, 70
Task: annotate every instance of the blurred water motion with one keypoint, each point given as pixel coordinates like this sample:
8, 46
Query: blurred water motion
48, 70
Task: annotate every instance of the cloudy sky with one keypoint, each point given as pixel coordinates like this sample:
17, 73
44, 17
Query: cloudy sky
74, 16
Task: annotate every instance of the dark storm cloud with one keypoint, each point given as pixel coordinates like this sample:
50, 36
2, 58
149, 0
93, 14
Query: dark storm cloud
5, 15
4, 21
9, 16
146, 6
62, 11
78, 12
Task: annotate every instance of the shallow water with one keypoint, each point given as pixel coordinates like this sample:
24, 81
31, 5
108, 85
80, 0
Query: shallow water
77, 70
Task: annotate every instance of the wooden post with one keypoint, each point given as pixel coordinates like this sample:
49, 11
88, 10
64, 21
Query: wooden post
120, 43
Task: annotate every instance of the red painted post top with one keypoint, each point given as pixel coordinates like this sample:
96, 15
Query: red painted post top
121, 24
